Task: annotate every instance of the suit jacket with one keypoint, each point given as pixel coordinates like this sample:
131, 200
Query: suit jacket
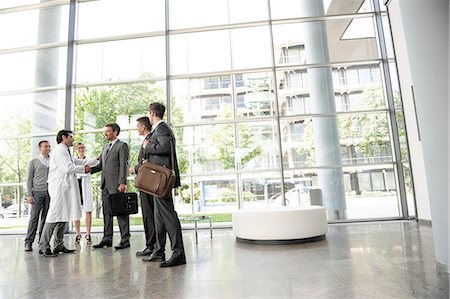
114, 166
142, 154
162, 148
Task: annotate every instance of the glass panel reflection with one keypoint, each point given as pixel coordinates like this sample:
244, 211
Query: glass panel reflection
202, 99
126, 102
121, 60
30, 69
32, 27
363, 139
258, 145
211, 147
215, 193
100, 18
261, 189
296, 44
356, 88
200, 52
254, 95
218, 12
281, 9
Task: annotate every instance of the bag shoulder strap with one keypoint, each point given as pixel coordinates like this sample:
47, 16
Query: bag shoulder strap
172, 146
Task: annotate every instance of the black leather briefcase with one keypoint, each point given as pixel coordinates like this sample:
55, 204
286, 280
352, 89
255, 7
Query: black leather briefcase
122, 204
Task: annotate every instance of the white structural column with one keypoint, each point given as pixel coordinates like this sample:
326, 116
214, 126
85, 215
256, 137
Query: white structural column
421, 29
44, 107
321, 93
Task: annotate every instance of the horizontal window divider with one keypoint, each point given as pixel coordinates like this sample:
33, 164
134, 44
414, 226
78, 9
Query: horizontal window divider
274, 117
219, 27
100, 130
15, 137
230, 173
119, 82
33, 48
32, 90
14, 184
115, 38
225, 122
342, 113
221, 73
322, 18
33, 6
330, 64
312, 168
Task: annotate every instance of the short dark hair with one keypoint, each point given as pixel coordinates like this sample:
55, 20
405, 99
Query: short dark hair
115, 127
42, 141
158, 108
145, 121
61, 134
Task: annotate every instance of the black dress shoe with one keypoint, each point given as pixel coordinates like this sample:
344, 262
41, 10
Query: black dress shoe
40, 252
48, 253
28, 247
63, 249
122, 246
103, 244
155, 258
174, 261
147, 251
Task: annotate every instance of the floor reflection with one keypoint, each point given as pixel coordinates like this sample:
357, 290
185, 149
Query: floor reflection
372, 260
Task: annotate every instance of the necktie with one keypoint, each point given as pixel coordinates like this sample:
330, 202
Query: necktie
109, 147
70, 155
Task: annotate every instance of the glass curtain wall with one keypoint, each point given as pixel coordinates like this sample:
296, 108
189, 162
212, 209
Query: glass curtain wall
272, 102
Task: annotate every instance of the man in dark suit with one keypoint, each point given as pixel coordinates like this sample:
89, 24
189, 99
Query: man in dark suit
160, 149
114, 167
144, 127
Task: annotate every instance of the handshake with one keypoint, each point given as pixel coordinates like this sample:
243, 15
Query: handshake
87, 168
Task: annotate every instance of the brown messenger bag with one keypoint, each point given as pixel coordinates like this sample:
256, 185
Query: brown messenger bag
155, 179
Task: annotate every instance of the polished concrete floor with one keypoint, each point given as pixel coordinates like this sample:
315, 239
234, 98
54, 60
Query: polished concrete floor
375, 260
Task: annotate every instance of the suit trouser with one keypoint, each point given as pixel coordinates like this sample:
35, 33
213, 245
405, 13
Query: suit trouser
47, 232
148, 217
166, 221
124, 222
38, 209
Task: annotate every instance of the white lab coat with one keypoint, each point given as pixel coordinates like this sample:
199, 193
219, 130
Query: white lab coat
65, 204
86, 190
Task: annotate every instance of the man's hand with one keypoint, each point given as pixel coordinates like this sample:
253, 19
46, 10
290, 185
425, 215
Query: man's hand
87, 169
122, 188
145, 143
30, 199
131, 170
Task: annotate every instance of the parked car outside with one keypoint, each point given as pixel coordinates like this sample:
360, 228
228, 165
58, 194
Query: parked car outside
14, 210
4, 213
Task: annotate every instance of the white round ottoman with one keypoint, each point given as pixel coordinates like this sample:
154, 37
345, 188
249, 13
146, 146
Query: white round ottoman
280, 225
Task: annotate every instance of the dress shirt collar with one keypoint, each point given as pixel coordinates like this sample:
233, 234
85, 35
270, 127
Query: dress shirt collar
157, 124
44, 160
113, 142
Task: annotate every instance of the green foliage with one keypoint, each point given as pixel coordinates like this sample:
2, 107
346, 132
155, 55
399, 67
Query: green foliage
226, 196
223, 140
185, 193
15, 157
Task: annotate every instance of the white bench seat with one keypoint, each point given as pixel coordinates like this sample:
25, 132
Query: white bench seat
280, 225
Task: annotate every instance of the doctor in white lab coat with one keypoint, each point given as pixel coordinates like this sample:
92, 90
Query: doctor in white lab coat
65, 204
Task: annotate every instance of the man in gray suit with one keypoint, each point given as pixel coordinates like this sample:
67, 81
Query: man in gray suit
147, 203
114, 167
160, 149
